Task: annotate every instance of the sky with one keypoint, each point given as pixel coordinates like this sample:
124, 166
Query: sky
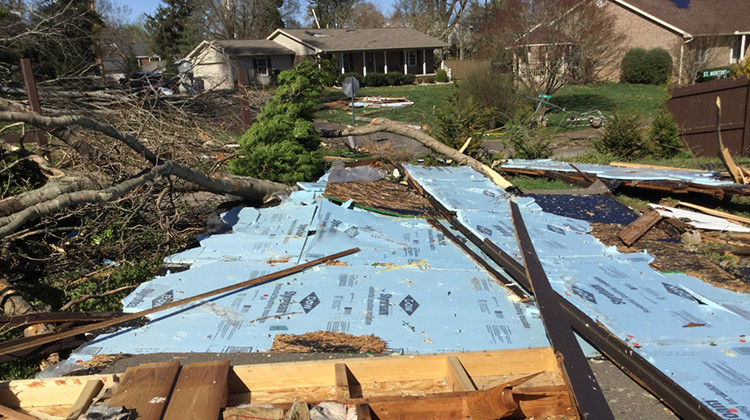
140, 7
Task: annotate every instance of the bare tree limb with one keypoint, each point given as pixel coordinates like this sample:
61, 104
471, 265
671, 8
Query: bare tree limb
84, 298
384, 124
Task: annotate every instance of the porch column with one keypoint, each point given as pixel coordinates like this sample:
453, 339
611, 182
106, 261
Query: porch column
405, 62
341, 62
364, 65
385, 61
742, 47
424, 61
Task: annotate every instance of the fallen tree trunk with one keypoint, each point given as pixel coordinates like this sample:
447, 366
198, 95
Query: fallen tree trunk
384, 124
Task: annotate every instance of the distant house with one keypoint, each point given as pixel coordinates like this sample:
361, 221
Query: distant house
380, 50
699, 34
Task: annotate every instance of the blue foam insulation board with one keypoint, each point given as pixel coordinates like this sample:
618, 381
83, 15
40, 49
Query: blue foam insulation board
694, 332
409, 285
622, 173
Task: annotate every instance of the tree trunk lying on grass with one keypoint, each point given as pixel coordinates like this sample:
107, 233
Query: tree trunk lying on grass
383, 124
64, 192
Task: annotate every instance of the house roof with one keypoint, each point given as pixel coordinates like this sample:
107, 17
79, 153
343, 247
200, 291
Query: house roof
696, 17
335, 40
252, 47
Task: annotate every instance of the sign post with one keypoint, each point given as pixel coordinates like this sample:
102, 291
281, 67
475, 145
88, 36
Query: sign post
350, 86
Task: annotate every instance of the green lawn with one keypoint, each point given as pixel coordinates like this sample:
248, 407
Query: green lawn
426, 98
606, 97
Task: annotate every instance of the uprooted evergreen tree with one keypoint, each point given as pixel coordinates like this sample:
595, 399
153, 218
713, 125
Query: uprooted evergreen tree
283, 145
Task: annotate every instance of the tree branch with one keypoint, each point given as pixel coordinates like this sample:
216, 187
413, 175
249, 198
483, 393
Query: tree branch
384, 124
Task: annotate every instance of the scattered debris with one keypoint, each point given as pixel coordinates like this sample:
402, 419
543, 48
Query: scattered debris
327, 342
639, 227
699, 220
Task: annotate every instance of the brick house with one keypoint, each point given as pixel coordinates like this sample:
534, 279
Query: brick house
380, 50
698, 34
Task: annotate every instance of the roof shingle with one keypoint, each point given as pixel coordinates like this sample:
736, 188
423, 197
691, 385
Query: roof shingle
334, 40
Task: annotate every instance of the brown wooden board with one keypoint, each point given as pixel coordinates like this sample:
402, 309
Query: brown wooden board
586, 390
146, 389
639, 227
200, 391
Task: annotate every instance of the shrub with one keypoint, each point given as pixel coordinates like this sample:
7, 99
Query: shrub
491, 89
409, 79
740, 69
658, 66
646, 66
664, 134
458, 120
623, 137
283, 144
526, 142
441, 76
374, 79
394, 78
429, 79
340, 78
632, 65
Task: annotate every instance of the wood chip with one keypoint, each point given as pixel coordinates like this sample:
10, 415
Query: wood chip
326, 341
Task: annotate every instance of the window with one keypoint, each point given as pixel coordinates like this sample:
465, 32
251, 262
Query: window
411, 58
736, 52
701, 55
261, 66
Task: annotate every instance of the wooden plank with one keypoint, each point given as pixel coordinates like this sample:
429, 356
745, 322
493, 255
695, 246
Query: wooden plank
93, 327
90, 391
252, 412
342, 381
200, 391
456, 376
737, 173
146, 388
14, 415
586, 390
632, 232
641, 165
728, 216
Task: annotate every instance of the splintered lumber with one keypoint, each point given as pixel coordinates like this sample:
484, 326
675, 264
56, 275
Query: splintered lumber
739, 175
93, 327
90, 391
14, 415
586, 390
146, 389
201, 391
728, 216
643, 166
634, 231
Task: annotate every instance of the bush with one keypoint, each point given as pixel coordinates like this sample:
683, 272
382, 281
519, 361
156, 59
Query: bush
374, 79
458, 120
664, 134
491, 89
409, 79
429, 79
632, 65
340, 78
623, 137
283, 144
394, 78
526, 142
441, 76
646, 66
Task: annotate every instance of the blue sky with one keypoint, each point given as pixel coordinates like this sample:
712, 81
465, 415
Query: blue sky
148, 6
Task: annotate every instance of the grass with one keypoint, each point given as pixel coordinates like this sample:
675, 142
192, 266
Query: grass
606, 97
527, 183
426, 98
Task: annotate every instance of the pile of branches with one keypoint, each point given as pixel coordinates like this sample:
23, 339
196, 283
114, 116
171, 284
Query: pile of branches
90, 223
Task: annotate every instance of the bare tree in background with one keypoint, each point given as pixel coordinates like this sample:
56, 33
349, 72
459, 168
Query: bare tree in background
698, 54
241, 19
367, 15
433, 17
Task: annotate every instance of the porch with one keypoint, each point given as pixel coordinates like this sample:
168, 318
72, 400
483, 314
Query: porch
415, 61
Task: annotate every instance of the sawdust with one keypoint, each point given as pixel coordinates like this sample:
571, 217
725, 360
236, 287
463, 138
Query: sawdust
326, 341
103, 360
671, 255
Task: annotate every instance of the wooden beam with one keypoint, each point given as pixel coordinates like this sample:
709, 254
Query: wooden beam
640, 165
97, 326
342, 381
90, 391
738, 175
14, 415
717, 213
456, 377
200, 391
586, 390
146, 389
635, 230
